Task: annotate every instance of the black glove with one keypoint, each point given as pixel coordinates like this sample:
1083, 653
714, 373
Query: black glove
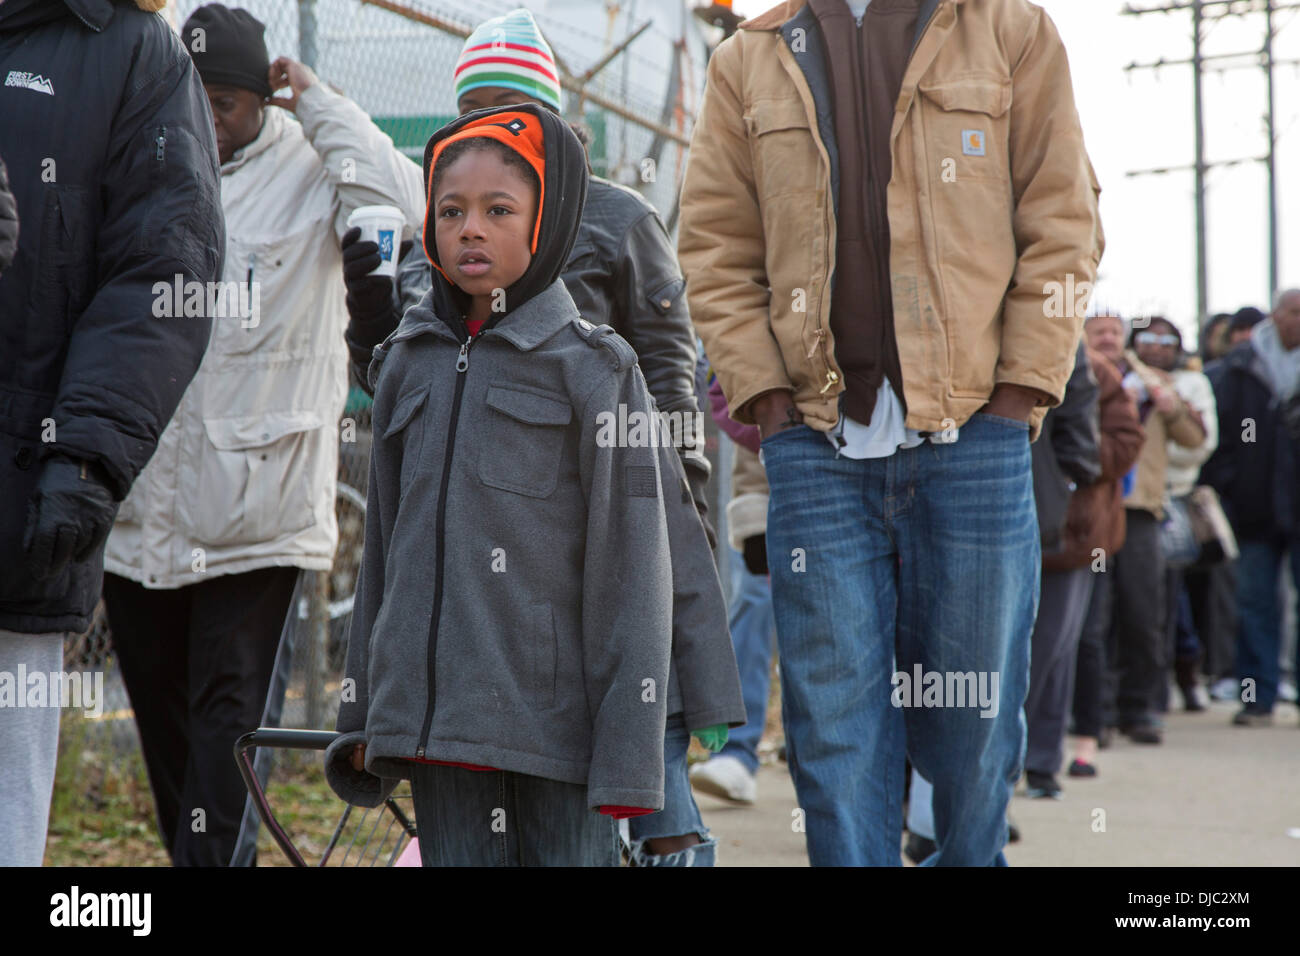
69, 515
8, 221
371, 314
756, 554
368, 295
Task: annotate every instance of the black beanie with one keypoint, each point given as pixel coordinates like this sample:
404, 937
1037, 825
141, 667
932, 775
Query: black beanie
232, 48
1246, 318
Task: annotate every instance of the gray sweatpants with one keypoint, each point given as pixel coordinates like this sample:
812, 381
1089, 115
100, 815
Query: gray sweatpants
29, 748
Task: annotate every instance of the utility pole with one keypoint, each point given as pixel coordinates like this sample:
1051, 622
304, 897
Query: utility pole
1273, 282
1203, 10
1198, 96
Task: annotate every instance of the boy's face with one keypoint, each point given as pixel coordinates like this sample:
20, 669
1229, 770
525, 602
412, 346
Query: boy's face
485, 213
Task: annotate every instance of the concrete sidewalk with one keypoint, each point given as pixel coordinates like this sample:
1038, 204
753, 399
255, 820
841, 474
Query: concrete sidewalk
1211, 795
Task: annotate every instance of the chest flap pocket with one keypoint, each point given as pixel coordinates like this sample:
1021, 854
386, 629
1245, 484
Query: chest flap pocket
521, 448
784, 152
967, 122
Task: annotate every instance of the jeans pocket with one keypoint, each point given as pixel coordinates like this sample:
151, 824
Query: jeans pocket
796, 430
1012, 423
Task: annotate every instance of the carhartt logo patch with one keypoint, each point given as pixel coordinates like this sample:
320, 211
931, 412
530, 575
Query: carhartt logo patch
30, 81
642, 482
972, 142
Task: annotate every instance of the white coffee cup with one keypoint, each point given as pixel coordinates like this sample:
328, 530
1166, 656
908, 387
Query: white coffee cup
381, 225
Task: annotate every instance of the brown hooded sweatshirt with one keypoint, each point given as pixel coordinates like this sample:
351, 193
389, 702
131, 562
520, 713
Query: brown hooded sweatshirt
866, 65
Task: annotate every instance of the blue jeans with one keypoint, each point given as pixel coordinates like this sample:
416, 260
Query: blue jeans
1259, 628
500, 818
928, 558
680, 815
920, 812
752, 630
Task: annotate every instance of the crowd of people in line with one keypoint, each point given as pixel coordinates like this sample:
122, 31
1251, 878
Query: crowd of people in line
974, 521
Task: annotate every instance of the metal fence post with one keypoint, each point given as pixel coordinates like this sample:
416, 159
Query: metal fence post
318, 630
307, 32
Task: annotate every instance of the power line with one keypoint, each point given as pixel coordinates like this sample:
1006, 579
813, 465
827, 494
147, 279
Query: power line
1204, 11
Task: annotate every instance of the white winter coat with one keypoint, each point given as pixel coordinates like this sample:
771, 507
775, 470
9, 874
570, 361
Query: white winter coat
244, 475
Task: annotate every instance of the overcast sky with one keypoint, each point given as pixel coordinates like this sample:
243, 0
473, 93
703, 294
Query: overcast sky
1143, 120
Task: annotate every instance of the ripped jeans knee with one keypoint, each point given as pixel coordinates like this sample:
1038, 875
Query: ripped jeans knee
703, 853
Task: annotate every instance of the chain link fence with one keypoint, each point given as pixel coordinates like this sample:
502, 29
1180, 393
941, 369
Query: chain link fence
395, 58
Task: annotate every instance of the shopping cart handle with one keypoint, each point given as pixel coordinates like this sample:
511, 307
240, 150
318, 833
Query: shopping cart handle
276, 737
281, 737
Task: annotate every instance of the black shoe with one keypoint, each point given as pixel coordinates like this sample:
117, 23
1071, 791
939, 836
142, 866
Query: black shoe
1040, 786
1142, 733
1187, 672
1191, 698
1253, 718
918, 848
1080, 769
1013, 831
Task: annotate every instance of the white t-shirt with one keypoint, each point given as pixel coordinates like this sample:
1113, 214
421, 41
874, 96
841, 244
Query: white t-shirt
858, 7
884, 436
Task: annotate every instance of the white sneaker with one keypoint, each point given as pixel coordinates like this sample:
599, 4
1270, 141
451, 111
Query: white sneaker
1225, 688
725, 777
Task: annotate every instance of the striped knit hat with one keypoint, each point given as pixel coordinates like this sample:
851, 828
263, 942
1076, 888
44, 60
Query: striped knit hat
509, 51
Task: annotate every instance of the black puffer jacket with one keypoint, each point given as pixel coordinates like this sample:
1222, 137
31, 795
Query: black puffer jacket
1256, 468
112, 157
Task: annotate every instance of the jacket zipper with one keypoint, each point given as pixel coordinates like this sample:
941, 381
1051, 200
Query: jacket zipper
440, 543
873, 177
161, 143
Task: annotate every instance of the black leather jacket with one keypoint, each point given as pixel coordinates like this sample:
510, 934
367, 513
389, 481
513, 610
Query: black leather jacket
1068, 452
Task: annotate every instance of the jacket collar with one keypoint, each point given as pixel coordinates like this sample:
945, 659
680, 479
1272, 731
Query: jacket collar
525, 328
539, 318
773, 19
94, 13
274, 125
1245, 359
24, 14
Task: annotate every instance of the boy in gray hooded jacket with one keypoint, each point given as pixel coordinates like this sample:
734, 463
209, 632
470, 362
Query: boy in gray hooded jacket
513, 612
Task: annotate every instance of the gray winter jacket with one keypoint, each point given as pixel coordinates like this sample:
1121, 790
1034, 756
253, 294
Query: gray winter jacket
704, 685
515, 598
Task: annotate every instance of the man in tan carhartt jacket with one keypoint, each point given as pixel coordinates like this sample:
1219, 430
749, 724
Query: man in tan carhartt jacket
890, 231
